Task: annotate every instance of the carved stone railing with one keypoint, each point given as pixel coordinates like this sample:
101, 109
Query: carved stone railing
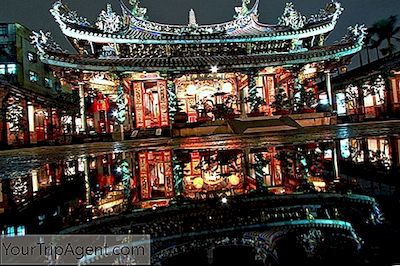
261, 237
357, 209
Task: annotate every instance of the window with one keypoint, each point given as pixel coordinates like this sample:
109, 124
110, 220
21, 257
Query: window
3, 30
10, 231
33, 76
32, 57
12, 69
345, 148
21, 230
2, 69
48, 83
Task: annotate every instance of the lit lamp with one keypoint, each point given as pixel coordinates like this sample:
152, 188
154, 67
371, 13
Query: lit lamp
227, 87
198, 182
233, 180
191, 89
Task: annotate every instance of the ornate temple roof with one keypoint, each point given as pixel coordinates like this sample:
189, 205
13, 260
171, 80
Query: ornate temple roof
133, 27
130, 42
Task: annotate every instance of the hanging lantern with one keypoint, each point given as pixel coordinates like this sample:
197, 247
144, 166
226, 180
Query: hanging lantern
191, 89
227, 87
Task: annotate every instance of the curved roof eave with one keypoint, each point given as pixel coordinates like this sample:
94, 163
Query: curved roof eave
102, 66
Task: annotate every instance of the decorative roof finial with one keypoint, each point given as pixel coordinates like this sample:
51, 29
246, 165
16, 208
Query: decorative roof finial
192, 18
292, 18
45, 43
243, 10
355, 34
108, 21
138, 11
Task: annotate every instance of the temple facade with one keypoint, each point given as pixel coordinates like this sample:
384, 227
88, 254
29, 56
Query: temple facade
136, 75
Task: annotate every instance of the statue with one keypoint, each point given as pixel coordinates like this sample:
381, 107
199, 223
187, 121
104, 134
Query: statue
44, 42
292, 18
243, 10
137, 11
108, 21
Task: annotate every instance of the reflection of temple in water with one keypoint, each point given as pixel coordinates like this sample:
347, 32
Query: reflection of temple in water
92, 186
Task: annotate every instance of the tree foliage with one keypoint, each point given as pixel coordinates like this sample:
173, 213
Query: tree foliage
384, 31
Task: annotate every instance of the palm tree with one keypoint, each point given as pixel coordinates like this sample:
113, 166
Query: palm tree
385, 30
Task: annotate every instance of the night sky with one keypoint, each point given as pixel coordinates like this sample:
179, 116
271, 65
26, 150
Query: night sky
35, 13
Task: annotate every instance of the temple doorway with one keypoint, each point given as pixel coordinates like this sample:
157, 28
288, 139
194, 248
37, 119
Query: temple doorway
155, 171
208, 97
151, 104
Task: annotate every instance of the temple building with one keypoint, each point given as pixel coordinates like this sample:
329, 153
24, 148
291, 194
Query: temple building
134, 75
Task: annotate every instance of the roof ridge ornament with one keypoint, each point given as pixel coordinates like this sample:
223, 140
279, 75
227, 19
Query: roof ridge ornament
63, 14
292, 18
355, 34
332, 11
192, 18
108, 21
137, 11
44, 43
243, 10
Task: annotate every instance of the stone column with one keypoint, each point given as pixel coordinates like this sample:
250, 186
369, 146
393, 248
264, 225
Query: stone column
242, 99
243, 112
335, 160
82, 109
328, 79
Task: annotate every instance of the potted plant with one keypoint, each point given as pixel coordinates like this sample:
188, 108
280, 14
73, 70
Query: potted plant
305, 98
282, 104
255, 102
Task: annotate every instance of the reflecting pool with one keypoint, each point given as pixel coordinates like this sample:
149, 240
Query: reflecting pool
67, 189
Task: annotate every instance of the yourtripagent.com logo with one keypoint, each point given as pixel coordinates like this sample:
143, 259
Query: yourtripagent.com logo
75, 249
